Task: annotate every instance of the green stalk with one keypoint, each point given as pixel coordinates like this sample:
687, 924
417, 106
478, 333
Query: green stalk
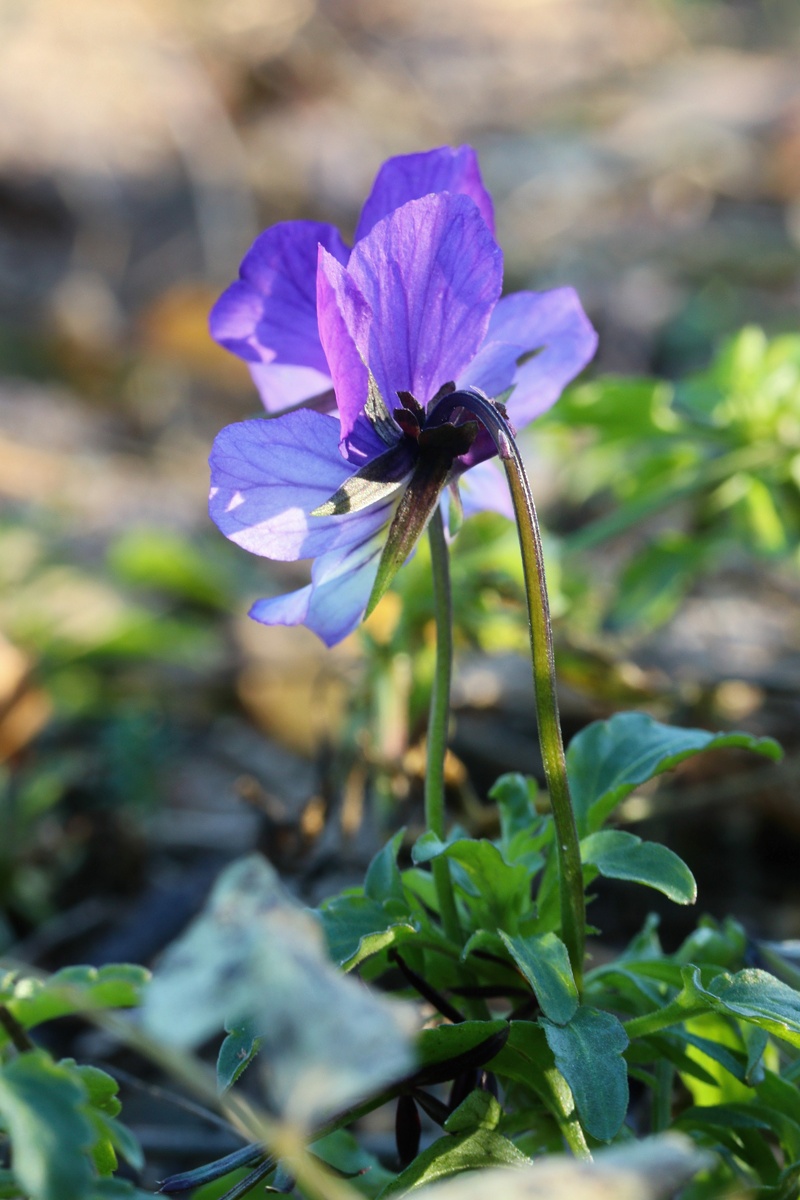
570, 875
439, 720
568, 855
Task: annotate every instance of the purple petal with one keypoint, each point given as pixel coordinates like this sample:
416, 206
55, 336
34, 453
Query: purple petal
553, 323
411, 176
334, 602
282, 387
344, 320
267, 476
430, 274
484, 489
269, 314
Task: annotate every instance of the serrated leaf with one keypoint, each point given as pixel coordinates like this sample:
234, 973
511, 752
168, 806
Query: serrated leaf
608, 759
43, 1107
544, 961
356, 927
588, 1053
254, 954
451, 1155
237, 1051
617, 854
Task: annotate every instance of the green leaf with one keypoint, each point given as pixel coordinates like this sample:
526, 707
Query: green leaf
253, 953
651, 1169
236, 1053
544, 962
450, 1155
620, 855
71, 990
514, 795
342, 1151
357, 926
480, 1110
497, 893
43, 1107
447, 1050
383, 880
721, 945
758, 997
588, 1053
608, 759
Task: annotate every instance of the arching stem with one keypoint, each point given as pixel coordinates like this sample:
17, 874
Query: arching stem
439, 720
572, 904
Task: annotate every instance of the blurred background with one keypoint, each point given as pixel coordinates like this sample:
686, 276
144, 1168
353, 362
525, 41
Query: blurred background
646, 152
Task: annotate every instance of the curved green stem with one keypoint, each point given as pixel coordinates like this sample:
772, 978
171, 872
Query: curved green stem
572, 904
438, 721
573, 907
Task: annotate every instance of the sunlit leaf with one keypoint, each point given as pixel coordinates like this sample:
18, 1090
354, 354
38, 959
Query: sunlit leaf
608, 759
617, 854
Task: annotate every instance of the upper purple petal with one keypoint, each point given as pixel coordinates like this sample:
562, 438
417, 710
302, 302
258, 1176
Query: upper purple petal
411, 176
269, 315
267, 476
344, 323
414, 302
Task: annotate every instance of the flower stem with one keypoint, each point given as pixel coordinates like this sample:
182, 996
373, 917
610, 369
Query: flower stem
438, 721
573, 907
572, 904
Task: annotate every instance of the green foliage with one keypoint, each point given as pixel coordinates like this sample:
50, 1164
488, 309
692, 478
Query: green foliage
60, 1119
533, 1058
719, 452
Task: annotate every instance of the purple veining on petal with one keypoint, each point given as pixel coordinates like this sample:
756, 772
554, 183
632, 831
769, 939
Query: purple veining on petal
431, 273
344, 321
267, 476
411, 176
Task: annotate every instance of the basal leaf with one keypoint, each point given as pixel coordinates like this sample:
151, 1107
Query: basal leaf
620, 855
358, 926
544, 962
588, 1053
450, 1155
608, 759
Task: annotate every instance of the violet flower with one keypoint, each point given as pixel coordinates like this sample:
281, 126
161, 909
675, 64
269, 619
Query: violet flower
391, 327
